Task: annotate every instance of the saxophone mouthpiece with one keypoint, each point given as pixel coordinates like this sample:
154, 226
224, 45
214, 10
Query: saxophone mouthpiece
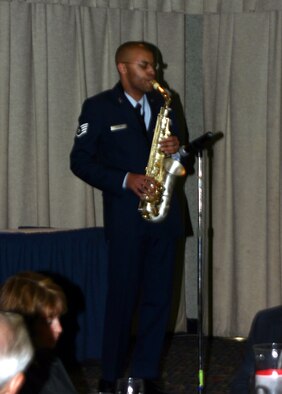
155, 84
165, 94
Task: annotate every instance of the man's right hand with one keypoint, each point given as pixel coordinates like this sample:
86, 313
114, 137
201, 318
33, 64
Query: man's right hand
140, 184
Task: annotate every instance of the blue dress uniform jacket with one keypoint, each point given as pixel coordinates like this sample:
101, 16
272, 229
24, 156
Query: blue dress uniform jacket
109, 143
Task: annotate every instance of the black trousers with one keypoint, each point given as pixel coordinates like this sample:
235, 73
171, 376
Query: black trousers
140, 276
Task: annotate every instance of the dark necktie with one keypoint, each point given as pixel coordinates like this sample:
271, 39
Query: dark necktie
140, 116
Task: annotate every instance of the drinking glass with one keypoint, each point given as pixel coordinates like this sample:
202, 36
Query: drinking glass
268, 374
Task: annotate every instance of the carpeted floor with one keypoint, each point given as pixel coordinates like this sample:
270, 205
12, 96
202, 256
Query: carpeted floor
180, 366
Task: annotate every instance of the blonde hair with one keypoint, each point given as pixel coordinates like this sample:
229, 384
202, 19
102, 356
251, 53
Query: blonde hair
32, 294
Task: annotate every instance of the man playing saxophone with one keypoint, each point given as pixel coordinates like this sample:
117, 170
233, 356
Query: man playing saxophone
110, 152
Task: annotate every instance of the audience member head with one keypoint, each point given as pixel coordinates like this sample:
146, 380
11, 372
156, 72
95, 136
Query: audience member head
16, 352
40, 300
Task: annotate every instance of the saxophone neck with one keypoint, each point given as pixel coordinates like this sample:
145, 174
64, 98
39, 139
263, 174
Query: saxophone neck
163, 92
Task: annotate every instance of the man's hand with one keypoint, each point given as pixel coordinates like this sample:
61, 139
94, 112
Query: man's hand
170, 145
140, 184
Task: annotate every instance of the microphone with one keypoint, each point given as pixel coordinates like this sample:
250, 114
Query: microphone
197, 145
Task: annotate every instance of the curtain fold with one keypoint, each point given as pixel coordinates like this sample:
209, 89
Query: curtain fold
242, 79
171, 6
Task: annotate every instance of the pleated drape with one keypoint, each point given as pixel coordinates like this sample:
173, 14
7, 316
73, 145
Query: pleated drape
52, 57
242, 95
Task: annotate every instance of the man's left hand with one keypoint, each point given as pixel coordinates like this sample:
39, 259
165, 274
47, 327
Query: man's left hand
170, 145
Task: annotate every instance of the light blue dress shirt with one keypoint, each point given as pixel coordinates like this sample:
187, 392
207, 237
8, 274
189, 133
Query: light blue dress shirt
145, 107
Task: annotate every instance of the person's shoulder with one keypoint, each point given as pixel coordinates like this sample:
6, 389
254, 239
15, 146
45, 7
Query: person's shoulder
102, 103
274, 312
108, 94
99, 97
266, 319
267, 326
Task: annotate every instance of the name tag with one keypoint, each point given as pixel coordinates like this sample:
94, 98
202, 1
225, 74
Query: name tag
119, 127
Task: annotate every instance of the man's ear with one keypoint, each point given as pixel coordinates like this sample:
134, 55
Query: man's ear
14, 385
121, 68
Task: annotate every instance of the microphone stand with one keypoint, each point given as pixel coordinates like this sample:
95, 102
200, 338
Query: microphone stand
196, 148
200, 272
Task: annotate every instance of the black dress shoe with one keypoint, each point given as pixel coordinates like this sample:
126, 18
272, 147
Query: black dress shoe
153, 387
106, 386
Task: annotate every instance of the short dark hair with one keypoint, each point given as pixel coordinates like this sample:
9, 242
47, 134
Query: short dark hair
126, 46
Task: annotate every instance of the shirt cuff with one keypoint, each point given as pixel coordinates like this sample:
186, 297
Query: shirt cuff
124, 181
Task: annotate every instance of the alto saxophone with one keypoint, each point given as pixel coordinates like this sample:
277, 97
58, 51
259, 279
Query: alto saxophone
161, 167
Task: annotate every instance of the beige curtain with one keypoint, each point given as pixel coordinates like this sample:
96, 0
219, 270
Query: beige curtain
51, 57
242, 98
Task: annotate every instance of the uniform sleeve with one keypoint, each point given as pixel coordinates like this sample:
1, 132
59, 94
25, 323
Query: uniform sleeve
86, 158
